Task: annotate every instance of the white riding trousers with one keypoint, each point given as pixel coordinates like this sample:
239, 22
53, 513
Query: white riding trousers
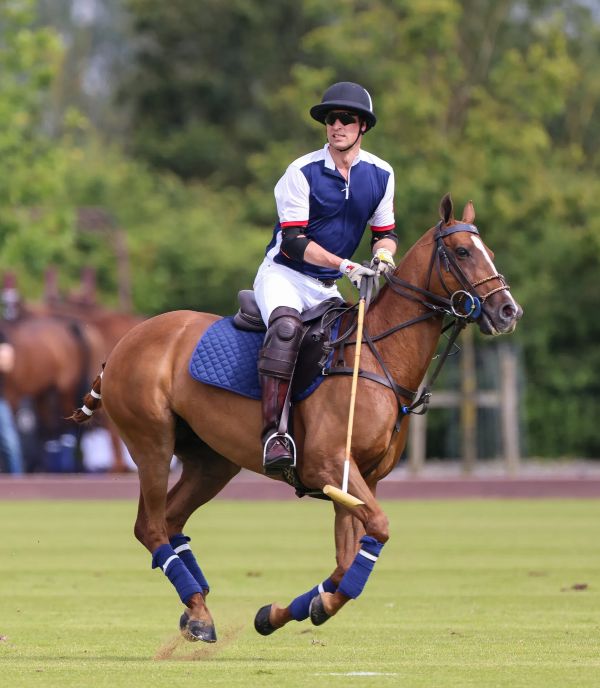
277, 285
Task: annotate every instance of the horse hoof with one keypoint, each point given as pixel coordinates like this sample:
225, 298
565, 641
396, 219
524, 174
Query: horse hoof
317, 612
194, 630
261, 621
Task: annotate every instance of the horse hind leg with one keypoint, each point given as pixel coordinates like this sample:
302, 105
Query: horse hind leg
152, 452
204, 475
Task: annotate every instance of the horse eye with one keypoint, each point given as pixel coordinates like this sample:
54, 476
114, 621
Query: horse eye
462, 252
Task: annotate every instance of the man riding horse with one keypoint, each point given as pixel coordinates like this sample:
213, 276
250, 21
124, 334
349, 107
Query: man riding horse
325, 200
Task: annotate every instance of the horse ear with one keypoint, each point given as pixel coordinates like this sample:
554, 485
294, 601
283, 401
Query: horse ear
446, 209
469, 213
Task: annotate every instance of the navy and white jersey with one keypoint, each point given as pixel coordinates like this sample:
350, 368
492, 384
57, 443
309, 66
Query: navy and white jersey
314, 195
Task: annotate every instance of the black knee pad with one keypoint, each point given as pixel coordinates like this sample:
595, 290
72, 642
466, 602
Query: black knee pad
281, 344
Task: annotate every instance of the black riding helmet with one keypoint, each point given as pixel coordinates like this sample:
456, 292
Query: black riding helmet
345, 95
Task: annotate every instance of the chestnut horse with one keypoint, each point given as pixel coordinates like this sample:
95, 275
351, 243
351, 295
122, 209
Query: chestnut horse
56, 342
53, 357
160, 410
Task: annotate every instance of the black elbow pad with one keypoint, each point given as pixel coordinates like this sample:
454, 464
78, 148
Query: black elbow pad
378, 236
294, 243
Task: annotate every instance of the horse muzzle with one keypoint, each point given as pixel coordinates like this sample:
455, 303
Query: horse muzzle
500, 318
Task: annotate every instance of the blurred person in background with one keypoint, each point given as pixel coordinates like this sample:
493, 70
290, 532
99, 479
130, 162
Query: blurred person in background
11, 455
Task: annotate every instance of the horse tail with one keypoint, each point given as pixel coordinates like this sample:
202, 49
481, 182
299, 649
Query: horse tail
92, 401
84, 344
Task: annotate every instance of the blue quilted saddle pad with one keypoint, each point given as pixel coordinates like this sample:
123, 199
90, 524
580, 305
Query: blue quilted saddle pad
226, 357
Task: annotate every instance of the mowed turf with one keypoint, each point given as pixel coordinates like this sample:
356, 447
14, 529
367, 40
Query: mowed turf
466, 593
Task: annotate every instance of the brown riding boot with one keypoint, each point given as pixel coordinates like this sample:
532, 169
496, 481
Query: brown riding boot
278, 449
276, 366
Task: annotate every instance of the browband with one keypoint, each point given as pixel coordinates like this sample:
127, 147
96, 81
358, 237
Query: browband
458, 227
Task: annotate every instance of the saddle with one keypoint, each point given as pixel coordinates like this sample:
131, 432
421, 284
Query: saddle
321, 325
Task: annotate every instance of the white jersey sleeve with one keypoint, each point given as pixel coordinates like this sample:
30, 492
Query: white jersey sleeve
383, 217
292, 198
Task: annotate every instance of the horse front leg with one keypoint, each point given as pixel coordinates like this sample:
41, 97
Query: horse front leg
349, 533
357, 549
273, 616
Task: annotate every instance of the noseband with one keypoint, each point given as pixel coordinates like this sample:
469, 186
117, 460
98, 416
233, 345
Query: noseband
444, 261
440, 255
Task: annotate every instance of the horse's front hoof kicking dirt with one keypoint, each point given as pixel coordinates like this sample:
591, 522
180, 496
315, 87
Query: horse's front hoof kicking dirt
194, 629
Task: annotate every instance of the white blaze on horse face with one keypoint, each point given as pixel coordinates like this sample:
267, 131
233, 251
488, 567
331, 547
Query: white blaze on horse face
479, 244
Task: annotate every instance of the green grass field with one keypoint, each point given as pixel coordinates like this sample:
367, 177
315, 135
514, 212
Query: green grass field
466, 593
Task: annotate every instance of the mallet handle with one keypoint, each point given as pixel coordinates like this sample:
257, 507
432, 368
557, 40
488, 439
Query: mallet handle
335, 493
359, 331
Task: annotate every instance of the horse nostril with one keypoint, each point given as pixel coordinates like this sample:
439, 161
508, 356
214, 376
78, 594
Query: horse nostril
508, 311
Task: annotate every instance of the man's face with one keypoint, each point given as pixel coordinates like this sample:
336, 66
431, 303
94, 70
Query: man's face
342, 128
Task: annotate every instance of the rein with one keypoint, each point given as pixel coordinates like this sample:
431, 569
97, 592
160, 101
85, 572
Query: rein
464, 306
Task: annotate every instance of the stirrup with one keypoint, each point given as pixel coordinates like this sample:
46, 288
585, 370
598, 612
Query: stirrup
276, 466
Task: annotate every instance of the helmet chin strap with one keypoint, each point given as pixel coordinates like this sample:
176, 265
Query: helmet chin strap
360, 133
343, 150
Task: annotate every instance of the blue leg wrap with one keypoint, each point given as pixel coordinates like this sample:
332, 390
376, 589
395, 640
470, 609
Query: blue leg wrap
356, 576
176, 571
299, 606
179, 543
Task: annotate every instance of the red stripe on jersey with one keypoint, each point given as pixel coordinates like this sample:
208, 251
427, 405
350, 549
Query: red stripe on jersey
298, 223
383, 229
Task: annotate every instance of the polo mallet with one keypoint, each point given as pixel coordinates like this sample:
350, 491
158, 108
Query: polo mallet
335, 493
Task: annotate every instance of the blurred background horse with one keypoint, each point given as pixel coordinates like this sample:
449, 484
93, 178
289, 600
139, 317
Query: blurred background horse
52, 358
57, 346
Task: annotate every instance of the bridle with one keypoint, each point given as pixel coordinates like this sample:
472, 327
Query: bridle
464, 305
451, 304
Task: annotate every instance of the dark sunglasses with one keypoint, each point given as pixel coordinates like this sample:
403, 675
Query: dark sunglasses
344, 117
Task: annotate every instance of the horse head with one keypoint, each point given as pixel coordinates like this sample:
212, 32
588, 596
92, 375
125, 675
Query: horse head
462, 270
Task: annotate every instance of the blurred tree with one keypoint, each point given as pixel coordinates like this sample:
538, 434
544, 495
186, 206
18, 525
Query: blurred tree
95, 51
202, 72
34, 225
38, 207
190, 247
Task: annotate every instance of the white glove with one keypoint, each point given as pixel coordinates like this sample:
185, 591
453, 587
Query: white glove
355, 272
385, 262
